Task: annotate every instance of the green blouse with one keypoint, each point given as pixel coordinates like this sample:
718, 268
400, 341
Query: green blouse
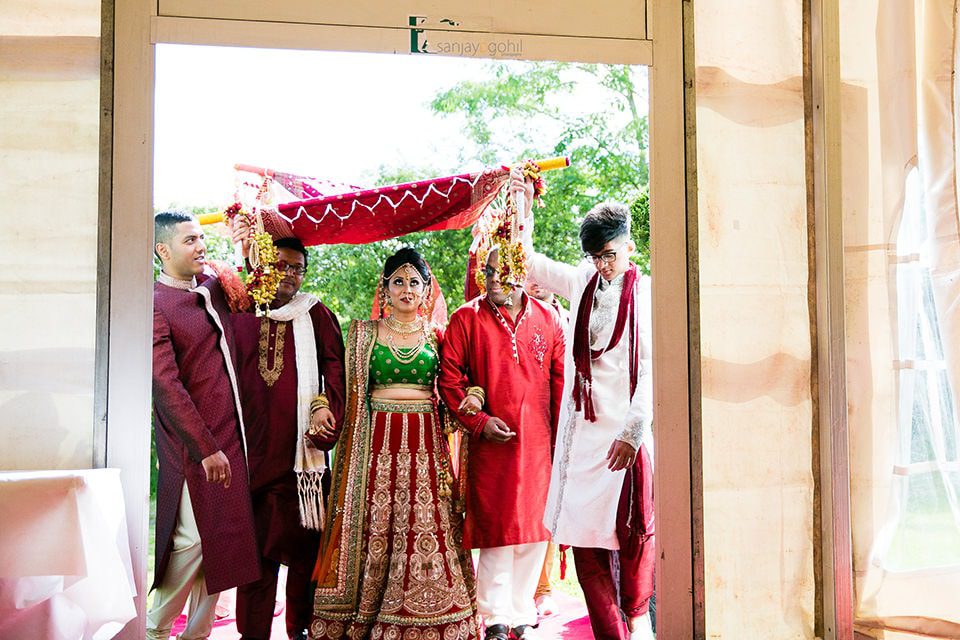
387, 371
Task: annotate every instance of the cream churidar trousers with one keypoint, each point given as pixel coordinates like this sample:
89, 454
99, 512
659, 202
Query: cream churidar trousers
183, 579
506, 581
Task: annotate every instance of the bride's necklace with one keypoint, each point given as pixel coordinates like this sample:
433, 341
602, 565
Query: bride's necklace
404, 355
403, 328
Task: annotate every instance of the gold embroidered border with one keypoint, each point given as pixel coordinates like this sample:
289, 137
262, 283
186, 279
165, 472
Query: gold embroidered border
384, 405
412, 621
349, 492
270, 374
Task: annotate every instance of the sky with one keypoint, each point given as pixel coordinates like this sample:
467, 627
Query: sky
337, 116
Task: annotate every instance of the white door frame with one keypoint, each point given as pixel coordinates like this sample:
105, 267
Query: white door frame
129, 359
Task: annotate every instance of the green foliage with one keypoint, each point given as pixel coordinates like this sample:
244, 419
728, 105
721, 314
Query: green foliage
531, 113
640, 229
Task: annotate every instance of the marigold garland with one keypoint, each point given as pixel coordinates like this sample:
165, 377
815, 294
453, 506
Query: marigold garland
506, 237
531, 170
265, 275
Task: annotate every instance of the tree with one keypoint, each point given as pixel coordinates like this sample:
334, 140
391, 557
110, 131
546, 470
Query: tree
511, 116
521, 111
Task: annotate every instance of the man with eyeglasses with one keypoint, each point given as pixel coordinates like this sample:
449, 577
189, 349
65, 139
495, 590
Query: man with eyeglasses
601, 490
293, 391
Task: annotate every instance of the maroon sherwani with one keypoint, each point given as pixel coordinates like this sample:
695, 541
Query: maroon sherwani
196, 415
270, 415
520, 367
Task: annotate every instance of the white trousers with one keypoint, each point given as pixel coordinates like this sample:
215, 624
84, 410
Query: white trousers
507, 579
182, 579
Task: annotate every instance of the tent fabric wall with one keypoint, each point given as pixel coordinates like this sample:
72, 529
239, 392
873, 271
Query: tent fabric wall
898, 109
49, 159
757, 410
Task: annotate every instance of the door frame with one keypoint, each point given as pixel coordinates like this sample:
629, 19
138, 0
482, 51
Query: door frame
126, 277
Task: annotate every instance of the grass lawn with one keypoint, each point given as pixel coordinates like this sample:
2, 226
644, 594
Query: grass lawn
925, 540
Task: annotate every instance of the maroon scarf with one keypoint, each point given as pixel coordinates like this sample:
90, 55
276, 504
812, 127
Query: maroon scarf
583, 354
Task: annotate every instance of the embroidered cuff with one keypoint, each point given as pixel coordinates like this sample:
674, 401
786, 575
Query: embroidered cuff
633, 434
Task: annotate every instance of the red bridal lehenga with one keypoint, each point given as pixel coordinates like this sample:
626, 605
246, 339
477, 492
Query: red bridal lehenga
391, 565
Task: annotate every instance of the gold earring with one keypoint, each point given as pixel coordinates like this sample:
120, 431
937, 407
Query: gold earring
382, 294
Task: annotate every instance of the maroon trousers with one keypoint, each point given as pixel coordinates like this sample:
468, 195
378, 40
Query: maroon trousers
281, 540
618, 584
255, 600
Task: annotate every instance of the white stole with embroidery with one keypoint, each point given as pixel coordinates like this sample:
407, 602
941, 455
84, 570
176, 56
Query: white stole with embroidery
310, 462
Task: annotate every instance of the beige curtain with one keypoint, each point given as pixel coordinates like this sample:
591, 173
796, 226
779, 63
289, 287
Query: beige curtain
49, 160
901, 265
757, 411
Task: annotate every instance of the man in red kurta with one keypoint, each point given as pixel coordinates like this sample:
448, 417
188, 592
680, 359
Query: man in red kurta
511, 347
543, 596
279, 379
205, 536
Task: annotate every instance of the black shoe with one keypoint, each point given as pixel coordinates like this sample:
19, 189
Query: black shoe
497, 632
300, 635
520, 632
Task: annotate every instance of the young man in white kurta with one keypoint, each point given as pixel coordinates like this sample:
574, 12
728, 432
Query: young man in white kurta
592, 458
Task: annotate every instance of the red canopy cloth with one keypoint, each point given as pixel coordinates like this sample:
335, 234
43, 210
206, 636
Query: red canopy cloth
323, 212
369, 215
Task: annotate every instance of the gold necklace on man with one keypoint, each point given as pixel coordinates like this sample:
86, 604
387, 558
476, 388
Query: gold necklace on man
404, 355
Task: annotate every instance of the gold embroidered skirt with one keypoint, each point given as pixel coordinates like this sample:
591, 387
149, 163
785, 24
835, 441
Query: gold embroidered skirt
417, 583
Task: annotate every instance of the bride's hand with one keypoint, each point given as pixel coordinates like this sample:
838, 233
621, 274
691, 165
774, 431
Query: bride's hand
470, 405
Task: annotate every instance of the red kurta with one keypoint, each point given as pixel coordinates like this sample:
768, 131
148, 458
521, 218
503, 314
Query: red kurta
195, 415
270, 416
520, 367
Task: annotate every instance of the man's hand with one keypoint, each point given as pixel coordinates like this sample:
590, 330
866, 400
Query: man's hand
620, 456
470, 405
519, 184
497, 430
242, 232
217, 468
322, 424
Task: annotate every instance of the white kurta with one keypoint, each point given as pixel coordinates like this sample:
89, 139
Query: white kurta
584, 495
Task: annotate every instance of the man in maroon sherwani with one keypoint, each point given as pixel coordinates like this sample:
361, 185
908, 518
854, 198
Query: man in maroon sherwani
280, 378
205, 535
502, 370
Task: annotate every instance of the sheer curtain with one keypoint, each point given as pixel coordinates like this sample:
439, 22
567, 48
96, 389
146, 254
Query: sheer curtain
903, 329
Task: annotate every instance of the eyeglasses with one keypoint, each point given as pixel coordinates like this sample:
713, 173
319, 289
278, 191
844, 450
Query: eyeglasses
606, 257
292, 269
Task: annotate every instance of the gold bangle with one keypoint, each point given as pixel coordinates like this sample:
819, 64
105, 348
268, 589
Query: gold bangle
320, 402
478, 393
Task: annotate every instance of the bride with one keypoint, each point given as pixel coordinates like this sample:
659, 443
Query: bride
391, 565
